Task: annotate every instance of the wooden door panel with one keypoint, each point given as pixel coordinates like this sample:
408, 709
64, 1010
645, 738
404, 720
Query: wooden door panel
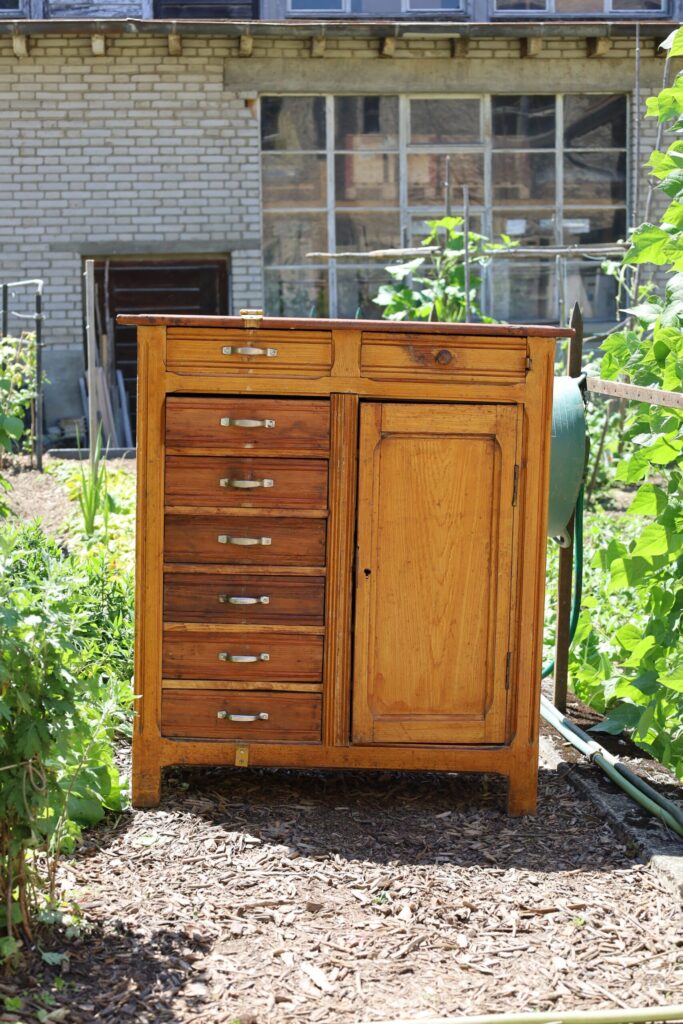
435, 534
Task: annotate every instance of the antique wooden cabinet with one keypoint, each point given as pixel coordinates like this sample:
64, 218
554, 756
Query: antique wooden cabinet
341, 545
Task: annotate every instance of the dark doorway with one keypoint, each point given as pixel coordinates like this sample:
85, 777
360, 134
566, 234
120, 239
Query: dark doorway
182, 285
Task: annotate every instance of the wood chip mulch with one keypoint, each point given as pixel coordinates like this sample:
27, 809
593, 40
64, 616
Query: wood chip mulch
274, 896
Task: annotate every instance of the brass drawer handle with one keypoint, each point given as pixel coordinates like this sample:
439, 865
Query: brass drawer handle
229, 599
243, 542
248, 350
242, 659
226, 421
262, 716
245, 484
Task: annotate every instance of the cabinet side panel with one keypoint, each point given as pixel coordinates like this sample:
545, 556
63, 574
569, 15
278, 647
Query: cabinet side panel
149, 565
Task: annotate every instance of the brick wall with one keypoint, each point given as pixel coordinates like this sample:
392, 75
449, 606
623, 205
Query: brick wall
141, 153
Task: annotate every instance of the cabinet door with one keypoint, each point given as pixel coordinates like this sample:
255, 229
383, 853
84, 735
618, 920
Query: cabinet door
435, 569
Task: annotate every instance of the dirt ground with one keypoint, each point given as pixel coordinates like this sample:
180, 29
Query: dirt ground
279, 896
282, 897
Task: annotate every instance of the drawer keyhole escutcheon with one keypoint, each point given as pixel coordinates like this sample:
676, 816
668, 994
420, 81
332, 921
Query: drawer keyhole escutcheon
242, 659
261, 716
243, 542
443, 357
230, 599
228, 421
245, 485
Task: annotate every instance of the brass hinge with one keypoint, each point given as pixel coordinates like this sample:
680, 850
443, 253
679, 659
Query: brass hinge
527, 363
252, 317
515, 485
508, 661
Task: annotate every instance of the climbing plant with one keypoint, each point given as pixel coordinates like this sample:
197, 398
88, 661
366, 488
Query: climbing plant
633, 668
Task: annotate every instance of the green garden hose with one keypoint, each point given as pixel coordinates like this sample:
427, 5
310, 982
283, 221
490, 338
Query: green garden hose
578, 578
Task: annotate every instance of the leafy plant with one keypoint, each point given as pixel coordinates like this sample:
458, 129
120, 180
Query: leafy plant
65, 670
17, 389
633, 668
433, 286
93, 496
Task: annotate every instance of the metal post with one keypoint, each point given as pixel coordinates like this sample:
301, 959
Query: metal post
447, 187
92, 354
564, 577
5, 310
39, 380
466, 229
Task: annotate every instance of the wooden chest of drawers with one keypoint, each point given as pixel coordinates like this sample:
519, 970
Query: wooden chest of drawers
341, 546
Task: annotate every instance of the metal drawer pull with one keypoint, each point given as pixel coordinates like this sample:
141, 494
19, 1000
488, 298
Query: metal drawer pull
226, 421
229, 599
248, 350
243, 542
245, 484
242, 659
262, 716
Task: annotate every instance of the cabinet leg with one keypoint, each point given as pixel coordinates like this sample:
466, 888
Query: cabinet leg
522, 792
146, 787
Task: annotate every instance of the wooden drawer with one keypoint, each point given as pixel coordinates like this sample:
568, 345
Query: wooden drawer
278, 600
255, 424
262, 353
238, 482
292, 541
193, 714
201, 654
468, 359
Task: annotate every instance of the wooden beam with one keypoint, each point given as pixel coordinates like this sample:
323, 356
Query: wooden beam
617, 389
318, 46
98, 44
531, 46
388, 46
175, 45
20, 45
598, 46
246, 45
460, 47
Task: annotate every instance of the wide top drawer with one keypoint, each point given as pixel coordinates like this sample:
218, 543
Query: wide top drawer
255, 425
199, 350
467, 359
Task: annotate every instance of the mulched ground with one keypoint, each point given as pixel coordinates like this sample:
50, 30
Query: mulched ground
36, 495
279, 896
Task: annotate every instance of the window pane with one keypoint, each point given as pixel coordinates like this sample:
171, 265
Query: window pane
581, 6
586, 284
521, 5
526, 178
595, 122
360, 232
294, 180
366, 122
368, 179
287, 237
595, 178
296, 293
444, 122
638, 5
523, 122
538, 229
434, 5
293, 122
427, 177
523, 290
316, 5
593, 227
356, 289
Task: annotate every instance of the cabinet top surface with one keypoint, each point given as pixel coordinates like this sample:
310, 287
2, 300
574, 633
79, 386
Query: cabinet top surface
311, 324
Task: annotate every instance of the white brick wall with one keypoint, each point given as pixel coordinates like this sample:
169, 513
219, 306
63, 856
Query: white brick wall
137, 150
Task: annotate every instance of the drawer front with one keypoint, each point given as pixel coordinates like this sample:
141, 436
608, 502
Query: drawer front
262, 353
193, 714
495, 360
243, 599
238, 657
238, 482
249, 424
218, 540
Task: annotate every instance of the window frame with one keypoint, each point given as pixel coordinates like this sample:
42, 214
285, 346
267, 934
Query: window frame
558, 209
404, 7
607, 10
21, 11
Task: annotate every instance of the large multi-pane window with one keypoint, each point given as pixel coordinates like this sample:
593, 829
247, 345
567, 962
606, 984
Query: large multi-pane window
581, 8
349, 174
375, 8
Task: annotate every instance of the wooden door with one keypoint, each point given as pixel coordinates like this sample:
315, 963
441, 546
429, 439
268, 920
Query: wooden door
436, 516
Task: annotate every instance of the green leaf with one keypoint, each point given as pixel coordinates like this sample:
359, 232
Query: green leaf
650, 500
53, 959
639, 652
656, 539
623, 716
673, 681
85, 810
649, 244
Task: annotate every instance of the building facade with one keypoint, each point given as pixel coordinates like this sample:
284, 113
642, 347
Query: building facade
199, 162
